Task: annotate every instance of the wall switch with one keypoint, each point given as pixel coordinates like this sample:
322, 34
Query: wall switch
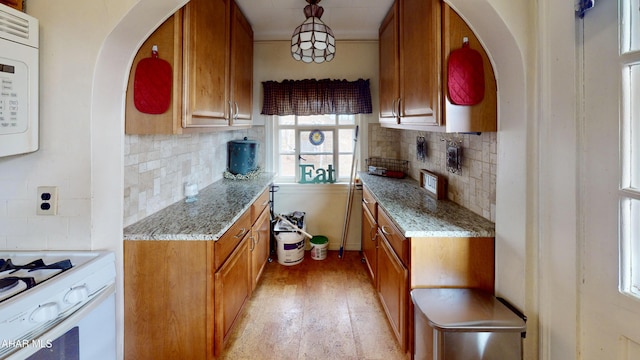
47, 200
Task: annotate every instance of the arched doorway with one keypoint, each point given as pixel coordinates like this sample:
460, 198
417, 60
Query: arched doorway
107, 135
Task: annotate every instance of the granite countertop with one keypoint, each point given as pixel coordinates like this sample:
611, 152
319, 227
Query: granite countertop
418, 215
218, 206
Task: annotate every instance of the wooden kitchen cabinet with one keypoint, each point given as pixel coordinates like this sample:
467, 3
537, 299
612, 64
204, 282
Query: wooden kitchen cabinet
415, 40
393, 290
259, 246
168, 298
209, 44
409, 39
241, 68
219, 71
194, 290
369, 243
232, 290
389, 71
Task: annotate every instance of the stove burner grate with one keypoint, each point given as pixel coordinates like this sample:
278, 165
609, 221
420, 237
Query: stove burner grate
34, 265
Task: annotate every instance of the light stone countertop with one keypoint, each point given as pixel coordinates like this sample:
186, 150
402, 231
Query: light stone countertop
218, 206
418, 215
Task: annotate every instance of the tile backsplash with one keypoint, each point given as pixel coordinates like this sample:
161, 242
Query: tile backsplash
157, 166
474, 188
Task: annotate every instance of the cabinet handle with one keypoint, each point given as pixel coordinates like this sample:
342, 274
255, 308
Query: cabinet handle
241, 233
235, 115
364, 200
373, 232
385, 230
229, 121
266, 203
393, 108
253, 244
398, 113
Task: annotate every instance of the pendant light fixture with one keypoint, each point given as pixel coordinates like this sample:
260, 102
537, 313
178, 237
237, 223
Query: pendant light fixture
313, 41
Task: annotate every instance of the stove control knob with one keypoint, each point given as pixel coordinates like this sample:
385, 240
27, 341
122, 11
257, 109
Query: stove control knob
76, 295
45, 312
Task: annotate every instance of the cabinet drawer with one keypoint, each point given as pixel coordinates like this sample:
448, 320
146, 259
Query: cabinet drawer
369, 202
259, 205
225, 245
395, 238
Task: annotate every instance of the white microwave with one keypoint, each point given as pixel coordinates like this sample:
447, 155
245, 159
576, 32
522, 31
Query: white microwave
19, 82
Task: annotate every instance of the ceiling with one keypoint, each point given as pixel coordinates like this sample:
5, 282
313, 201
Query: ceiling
349, 19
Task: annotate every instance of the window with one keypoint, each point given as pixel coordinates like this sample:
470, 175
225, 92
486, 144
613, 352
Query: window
629, 215
316, 142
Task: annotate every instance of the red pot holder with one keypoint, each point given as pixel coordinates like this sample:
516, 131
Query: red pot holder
152, 84
465, 76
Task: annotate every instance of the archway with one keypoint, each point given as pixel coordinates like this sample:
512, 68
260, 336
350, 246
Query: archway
107, 135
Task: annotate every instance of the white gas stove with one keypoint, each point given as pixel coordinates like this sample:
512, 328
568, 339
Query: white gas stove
47, 297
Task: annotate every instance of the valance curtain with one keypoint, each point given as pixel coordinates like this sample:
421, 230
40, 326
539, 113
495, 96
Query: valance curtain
316, 97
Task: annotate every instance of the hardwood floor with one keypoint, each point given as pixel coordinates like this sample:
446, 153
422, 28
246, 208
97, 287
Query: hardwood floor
318, 309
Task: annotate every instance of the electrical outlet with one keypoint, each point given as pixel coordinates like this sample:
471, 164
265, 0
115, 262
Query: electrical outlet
47, 200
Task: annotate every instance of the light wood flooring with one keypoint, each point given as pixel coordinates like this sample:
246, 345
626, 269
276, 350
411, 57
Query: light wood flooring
318, 309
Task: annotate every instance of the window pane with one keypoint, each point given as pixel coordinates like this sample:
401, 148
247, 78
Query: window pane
630, 26
344, 169
287, 166
287, 120
287, 141
631, 158
346, 119
346, 140
317, 120
630, 246
324, 139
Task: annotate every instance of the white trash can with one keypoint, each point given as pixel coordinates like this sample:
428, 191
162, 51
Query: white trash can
290, 243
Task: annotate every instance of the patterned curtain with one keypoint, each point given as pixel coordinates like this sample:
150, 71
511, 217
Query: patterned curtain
316, 97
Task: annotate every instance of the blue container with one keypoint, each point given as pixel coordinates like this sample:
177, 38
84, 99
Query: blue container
242, 156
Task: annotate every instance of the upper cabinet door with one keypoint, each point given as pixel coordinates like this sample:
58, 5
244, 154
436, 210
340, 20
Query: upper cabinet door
241, 68
420, 61
389, 72
206, 42
410, 63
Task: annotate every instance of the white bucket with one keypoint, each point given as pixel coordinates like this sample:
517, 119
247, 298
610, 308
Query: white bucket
319, 246
290, 248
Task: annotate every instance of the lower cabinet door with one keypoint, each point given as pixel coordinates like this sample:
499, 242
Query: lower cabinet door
393, 290
232, 290
259, 247
369, 243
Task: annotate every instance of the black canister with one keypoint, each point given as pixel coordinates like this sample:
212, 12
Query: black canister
242, 156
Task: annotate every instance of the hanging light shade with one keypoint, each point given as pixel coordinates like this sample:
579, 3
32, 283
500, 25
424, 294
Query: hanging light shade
313, 41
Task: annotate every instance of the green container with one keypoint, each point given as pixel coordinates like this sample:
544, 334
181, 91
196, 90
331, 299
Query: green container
319, 244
